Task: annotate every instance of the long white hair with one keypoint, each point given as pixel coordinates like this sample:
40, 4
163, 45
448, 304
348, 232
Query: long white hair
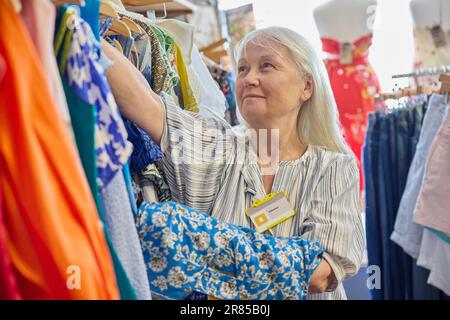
318, 122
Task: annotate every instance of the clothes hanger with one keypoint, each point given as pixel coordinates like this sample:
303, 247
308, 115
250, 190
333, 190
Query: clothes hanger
118, 26
107, 10
142, 3
133, 26
444, 78
118, 46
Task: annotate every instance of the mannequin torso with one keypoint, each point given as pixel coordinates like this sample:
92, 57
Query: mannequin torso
431, 20
428, 13
345, 20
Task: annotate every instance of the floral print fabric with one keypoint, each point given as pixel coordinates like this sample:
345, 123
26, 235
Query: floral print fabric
189, 251
427, 55
354, 87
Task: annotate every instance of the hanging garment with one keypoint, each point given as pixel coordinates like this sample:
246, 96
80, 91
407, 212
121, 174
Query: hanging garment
88, 80
183, 34
145, 150
39, 18
189, 101
435, 256
186, 250
2, 68
432, 208
390, 144
90, 13
428, 55
163, 74
155, 174
231, 179
354, 85
167, 44
130, 190
227, 83
87, 122
83, 119
407, 233
119, 223
8, 285
213, 100
53, 229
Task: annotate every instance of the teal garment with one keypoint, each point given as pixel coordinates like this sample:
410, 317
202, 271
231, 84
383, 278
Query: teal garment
91, 14
440, 234
129, 185
83, 118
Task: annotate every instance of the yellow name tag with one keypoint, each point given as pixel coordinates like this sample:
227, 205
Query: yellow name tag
273, 210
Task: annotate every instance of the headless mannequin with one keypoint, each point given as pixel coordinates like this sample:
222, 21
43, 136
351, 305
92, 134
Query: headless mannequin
428, 13
344, 20
432, 41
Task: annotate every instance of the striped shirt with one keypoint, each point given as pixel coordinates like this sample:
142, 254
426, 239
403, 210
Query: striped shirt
211, 168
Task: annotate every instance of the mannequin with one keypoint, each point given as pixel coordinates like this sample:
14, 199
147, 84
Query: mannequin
428, 13
345, 20
431, 20
346, 27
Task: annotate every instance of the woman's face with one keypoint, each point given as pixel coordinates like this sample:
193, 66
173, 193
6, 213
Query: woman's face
269, 85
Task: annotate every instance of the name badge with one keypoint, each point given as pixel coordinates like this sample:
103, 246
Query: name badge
273, 210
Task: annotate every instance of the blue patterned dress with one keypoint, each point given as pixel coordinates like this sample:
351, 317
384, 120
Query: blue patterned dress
85, 74
189, 251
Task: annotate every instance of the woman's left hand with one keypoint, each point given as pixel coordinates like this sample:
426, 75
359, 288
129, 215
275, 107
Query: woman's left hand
321, 278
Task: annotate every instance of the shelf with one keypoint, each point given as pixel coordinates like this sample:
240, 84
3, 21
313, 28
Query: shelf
173, 7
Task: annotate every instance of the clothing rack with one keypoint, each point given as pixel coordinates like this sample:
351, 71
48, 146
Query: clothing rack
169, 8
406, 92
424, 72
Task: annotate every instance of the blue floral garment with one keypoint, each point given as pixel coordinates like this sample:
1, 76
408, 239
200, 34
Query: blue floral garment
188, 251
145, 150
85, 75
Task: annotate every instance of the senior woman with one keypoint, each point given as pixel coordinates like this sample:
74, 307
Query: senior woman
281, 87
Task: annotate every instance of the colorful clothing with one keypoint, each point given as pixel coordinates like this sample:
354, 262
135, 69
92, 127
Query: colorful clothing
39, 17
189, 101
8, 285
354, 86
84, 120
53, 231
86, 78
432, 206
161, 76
145, 151
186, 250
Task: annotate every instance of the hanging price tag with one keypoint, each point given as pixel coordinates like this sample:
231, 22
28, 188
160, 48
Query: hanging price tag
267, 213
438, 36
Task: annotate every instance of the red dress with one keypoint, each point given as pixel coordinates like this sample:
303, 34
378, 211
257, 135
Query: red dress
354, 86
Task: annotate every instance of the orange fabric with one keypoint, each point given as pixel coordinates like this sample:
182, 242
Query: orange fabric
50, 216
